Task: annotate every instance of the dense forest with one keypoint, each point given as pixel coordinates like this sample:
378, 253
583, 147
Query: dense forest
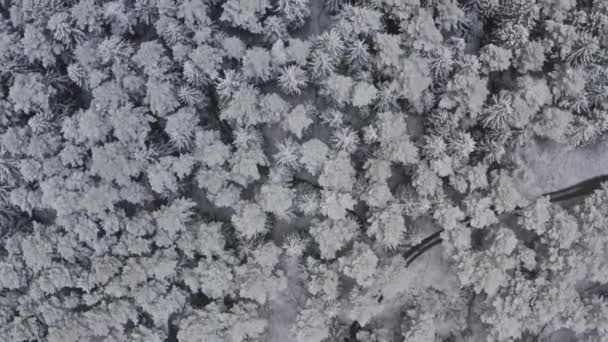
302, 170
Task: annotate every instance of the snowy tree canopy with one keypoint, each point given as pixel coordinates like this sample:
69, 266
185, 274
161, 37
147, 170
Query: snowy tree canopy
303, 170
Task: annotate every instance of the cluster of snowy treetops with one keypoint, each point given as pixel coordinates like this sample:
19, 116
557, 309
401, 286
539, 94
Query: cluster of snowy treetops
171, 169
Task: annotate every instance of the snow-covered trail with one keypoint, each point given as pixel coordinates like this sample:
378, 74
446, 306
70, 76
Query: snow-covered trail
284, 306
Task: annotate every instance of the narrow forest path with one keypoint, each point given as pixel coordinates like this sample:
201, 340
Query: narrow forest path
285, 306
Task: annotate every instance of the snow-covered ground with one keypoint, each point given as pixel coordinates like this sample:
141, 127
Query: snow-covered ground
284, 306
549, 166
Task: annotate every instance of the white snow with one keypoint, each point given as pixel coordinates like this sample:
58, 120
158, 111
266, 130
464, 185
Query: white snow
284, 306
549, 166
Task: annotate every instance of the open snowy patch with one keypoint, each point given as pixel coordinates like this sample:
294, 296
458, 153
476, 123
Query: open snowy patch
549, 166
